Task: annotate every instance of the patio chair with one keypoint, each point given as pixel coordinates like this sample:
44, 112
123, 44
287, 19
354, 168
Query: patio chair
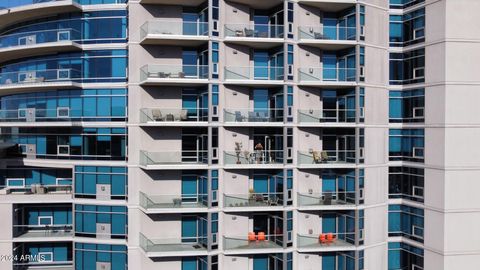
156, 114
273, 201
316, 157
330, 238
327, 199
183, 115
261, 236
252, 237
324, 156
238, 116
252, 116
322, 238
318, 35
249, 32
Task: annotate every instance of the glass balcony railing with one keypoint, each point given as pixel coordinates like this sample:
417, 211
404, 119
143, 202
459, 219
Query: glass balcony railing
253, 199
327, 116
326, 157
254, 157
37, 189
33, 231
327, 74
326, 198
198, 243
38, 76
61, 114
266, 73
264, 242
174, 157
173, 115
173, 201
327, 32
326, 240
253, 115
254, 30
38, 37
174, 72
177, 28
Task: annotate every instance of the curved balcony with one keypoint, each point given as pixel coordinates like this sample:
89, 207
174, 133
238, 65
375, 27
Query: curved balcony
174, 160
173, 32
36, 80
327, 37
178, 246
323, 200
174, 117
327, 117
189, 75
329, 5
326, 242
61, 116
36, 43
254, 75
254, 159
259, 4
318, 76
259, 36
327, 159
15, 11
252, 117
190, 3
174, 203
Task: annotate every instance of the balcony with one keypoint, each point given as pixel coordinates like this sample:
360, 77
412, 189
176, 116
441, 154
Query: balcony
180, 246
329, 5
26, 10
22, 232
174, 117
269, 200
61, 116
326, 242
190, 3
253, 243
340, 116
259, 36
253, 116
173, 32
36, 43
327, 158
174, 203
317, 76
32, 80
254, 159
338, 199
327, 37
188, 75
36, 189
254, 75
174, 159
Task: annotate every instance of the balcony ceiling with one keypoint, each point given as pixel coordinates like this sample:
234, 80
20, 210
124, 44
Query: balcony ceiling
174, 2
329, 5
259, 4
29, 12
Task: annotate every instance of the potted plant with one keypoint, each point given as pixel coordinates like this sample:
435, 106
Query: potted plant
238, 151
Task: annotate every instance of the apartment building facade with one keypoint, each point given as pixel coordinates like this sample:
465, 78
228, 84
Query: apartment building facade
239, 134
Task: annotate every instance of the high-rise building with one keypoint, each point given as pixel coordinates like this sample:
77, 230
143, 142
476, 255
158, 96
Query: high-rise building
239, 134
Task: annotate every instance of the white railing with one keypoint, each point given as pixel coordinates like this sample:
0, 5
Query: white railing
254, 157
174, 157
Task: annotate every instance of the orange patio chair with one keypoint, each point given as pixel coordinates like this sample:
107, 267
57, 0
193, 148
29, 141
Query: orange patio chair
252, 237
261, 236
330, 238
322, 239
